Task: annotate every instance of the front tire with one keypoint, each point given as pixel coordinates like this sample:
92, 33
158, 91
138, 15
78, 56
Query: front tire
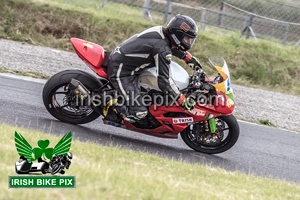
224, 123
56, 90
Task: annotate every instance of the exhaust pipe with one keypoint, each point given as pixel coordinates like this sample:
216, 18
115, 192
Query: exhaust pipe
80, 91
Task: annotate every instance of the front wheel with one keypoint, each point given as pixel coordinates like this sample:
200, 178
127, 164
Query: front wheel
225, 136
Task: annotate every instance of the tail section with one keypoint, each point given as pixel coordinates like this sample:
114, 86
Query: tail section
94, 55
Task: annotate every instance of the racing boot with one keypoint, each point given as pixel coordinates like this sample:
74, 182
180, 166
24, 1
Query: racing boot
147, 122
138, 119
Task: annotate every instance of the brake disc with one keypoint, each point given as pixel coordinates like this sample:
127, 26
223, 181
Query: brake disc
207, 138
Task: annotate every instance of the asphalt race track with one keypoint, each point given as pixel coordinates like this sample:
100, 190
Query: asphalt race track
260, 150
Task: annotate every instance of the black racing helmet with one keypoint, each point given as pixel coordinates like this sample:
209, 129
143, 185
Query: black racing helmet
182, 31
69, 155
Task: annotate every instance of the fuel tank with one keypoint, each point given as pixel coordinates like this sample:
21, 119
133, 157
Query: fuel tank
148, 78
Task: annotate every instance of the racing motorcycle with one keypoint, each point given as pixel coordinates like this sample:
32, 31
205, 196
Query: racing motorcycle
209, 128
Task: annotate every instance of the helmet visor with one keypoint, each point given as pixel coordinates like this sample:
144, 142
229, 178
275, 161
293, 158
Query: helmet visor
189, 41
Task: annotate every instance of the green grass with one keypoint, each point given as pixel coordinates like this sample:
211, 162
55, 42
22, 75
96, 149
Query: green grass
265, 122
260, 64
30, 74
115, 173
53, 23
295, 130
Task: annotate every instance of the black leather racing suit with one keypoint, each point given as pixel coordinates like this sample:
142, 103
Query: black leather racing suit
145, 50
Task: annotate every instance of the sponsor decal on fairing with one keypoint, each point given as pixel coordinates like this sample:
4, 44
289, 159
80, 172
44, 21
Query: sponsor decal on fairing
182, 120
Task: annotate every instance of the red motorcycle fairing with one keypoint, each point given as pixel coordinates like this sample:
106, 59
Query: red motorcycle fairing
171, 126
161, 131
223, 104
90, 53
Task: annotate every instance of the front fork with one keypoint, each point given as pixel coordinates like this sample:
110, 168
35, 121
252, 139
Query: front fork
208, 125
212, 125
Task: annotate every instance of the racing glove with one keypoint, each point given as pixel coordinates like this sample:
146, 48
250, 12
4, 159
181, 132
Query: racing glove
186, 103
191, 61
178, 53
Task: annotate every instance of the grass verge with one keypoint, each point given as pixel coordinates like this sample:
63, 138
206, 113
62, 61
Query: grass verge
266, 122
30, 74
114, 173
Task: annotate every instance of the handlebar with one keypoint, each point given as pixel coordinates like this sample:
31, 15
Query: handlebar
198, 77
198, 80
197, 68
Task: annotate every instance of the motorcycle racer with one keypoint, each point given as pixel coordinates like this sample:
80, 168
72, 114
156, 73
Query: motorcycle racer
153, 47
208, 128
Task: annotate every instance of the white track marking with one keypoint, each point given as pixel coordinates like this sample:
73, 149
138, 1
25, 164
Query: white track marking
25, 78
265, 126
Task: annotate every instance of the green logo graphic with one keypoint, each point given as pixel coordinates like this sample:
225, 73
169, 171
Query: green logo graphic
59, 156
25, 149
49, 160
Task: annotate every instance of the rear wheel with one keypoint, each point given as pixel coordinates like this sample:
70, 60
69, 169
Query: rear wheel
224, 138
44, 168
58, 98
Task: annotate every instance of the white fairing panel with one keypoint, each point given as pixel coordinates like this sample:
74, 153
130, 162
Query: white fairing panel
148, 78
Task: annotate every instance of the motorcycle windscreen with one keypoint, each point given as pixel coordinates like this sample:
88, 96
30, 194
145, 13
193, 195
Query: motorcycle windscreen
225, 86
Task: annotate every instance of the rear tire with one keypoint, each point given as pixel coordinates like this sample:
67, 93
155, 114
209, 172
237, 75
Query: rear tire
61, 80
222, 146
44, 168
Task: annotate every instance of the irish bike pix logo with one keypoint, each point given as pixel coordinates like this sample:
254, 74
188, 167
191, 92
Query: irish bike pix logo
43, 160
